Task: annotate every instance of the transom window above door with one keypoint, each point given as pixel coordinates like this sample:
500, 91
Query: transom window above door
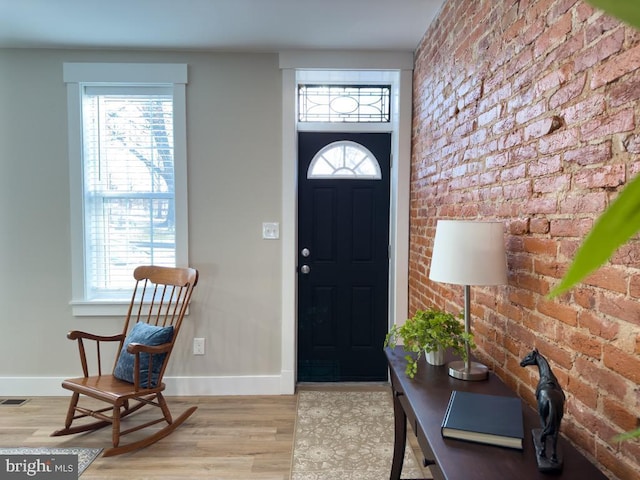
344, 159
344, 103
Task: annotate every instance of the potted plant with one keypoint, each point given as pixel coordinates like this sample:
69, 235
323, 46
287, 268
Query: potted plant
429, 331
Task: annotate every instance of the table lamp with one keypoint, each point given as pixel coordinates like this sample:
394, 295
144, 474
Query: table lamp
468, 253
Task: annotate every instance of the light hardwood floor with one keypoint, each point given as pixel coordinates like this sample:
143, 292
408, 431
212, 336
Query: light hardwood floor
228, 438
248, 437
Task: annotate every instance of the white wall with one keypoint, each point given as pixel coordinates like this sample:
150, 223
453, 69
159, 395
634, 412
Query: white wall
234, 159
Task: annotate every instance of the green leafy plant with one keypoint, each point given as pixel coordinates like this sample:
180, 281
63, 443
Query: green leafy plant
621, 220
428, 331
627, 11
627, 435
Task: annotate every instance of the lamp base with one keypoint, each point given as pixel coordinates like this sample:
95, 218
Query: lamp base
476, 371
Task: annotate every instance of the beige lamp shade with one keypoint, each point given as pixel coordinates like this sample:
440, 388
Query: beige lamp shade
469, 253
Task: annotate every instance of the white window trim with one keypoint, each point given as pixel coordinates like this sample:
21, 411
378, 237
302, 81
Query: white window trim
76, 75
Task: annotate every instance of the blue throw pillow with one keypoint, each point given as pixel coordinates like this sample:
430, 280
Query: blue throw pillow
147, 335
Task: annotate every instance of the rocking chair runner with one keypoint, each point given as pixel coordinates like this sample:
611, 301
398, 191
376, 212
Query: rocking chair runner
160, 300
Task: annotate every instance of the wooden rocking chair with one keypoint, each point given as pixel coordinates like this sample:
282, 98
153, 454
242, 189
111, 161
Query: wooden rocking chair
143, 355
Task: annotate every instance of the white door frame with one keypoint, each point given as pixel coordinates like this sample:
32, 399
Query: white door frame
344, 67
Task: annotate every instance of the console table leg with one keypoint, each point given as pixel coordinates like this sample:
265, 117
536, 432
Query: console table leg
400, 437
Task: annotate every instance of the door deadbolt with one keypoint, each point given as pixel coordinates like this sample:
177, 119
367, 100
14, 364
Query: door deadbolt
305, 252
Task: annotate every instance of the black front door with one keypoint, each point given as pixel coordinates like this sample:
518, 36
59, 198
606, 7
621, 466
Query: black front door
343, 259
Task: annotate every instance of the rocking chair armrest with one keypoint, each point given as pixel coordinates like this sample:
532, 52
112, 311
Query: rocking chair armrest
77, 334
80, 336
151, 350
136, 348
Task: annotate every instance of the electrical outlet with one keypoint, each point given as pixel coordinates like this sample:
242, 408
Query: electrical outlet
198, 346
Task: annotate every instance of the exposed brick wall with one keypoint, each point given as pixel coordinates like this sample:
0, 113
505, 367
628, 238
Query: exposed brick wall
529, 112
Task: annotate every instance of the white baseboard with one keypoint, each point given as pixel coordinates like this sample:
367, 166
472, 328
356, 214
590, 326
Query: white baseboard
202, 386
176, 386
32, 387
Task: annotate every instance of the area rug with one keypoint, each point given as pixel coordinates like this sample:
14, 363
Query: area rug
85, 455
346, 435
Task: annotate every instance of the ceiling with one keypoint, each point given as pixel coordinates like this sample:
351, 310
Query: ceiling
216, 25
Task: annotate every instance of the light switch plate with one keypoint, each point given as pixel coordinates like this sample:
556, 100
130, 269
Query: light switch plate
270, 231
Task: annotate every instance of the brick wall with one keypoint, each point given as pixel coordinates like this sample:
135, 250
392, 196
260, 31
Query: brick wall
529, 112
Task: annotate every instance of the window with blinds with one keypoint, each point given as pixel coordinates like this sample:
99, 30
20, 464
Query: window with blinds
127, 176
129, 187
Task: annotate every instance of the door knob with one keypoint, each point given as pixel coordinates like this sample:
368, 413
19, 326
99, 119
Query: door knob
305, 269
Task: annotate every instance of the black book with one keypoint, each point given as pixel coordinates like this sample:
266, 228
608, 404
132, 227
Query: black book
481, 418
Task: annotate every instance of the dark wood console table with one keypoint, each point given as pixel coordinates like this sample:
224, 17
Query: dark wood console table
423, 401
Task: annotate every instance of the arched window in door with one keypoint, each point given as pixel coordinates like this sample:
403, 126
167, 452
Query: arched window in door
344, 159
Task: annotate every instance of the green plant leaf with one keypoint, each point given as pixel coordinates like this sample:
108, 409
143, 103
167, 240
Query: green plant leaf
619, 222
626, 10
627, 435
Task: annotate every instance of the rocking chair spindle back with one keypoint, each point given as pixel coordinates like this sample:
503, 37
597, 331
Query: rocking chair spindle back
158, 306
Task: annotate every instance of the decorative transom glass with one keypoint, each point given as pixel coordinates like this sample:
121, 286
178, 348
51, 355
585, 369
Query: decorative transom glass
346, 160
344, 103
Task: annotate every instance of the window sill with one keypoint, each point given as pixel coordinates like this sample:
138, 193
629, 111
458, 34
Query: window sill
102, 308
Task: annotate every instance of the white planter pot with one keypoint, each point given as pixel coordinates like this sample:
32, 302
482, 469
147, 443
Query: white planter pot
435, 358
